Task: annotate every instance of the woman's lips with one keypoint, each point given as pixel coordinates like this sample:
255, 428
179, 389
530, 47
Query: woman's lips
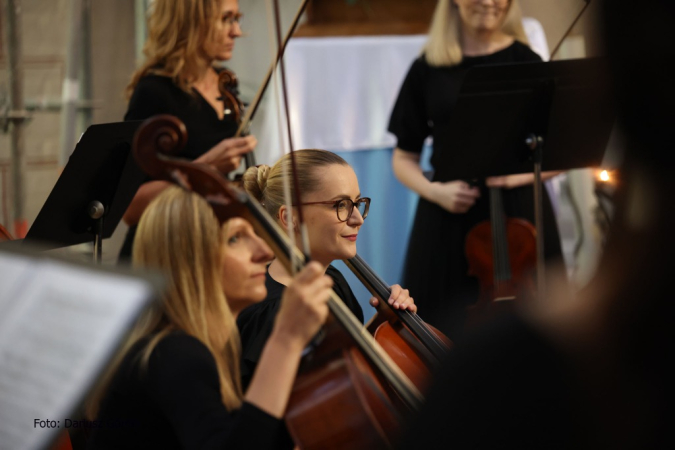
351, 237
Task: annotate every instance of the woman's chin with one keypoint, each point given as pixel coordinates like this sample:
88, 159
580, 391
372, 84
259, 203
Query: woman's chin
349, 252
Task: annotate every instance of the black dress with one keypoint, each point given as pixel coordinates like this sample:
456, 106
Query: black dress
436, 267
256, 322
176, 404
155, 95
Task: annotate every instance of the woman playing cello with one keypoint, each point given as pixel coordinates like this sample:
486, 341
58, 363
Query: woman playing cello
177, 382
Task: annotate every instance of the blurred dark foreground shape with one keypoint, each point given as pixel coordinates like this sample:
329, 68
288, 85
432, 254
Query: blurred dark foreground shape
592, 371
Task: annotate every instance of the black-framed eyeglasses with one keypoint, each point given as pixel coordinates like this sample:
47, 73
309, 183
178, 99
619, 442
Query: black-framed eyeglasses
345, 206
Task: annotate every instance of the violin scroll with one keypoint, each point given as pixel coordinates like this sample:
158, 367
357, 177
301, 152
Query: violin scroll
156, 138
227, 85
156, 142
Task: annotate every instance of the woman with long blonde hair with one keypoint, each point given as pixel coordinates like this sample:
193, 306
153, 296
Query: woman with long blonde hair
186, 41
463, 34
177, 382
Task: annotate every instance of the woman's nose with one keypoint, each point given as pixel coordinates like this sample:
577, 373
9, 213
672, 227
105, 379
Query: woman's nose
261, 252
356, 219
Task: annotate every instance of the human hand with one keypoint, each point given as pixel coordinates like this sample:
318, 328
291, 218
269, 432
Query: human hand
399, 299
454, 196
510, 181
226, 155
304, 305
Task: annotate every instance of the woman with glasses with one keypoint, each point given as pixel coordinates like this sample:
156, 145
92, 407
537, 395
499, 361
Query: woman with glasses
186, 39
333, 211
177, 383
463, 34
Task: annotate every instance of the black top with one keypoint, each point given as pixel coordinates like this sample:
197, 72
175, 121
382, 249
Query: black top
256, 322
436, 267
176, 404
429, 93
155, 94
503, 387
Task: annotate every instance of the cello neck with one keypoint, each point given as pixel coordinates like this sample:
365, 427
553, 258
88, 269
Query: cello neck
500, 247
379, 289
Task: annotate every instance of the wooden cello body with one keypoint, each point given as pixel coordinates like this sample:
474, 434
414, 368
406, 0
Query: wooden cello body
502, 254
338, 381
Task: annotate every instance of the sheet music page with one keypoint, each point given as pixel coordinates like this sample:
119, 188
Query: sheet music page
59, 325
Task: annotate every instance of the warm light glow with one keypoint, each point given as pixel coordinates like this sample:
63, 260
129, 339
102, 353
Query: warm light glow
607, 177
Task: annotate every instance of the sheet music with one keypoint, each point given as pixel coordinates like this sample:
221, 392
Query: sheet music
59, 325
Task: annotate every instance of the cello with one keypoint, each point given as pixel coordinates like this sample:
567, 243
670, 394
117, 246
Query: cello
415, 346
501, 253
349, 393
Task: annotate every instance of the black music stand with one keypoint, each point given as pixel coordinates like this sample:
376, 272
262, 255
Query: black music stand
527, 117
93, 191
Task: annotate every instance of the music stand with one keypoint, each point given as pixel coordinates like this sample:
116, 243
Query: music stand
61, 324
507, 115
93, 191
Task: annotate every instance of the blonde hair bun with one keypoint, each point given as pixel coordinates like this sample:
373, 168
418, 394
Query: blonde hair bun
255, 181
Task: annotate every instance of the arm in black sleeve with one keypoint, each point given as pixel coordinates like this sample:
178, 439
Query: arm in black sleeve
409, 121
183, 383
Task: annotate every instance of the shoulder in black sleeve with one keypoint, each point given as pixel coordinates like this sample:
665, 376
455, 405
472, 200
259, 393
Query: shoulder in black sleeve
409, 120
155, 94
523, 53
176, 403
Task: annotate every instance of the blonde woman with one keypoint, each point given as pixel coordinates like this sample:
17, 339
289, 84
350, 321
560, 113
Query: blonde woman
178, 385
463, 34
179, 77
334, 211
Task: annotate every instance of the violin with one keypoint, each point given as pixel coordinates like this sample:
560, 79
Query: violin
415, 346
228, 85
501, 253
349, 393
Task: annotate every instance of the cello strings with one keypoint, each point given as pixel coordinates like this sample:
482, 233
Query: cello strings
412, 320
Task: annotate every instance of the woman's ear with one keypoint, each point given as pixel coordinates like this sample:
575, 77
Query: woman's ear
285, 215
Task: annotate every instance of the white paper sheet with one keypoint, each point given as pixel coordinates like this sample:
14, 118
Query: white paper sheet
59, 325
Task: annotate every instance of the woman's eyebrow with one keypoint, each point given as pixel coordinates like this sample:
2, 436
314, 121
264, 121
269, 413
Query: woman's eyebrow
343, 196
